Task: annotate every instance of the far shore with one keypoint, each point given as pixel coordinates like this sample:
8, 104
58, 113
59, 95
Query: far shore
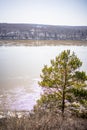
42, 43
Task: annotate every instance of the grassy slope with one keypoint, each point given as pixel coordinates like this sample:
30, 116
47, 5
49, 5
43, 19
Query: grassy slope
43, 120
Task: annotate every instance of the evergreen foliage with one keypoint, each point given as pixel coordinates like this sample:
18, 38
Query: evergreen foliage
64, 76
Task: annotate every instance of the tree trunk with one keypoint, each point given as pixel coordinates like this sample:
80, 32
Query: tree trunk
63, 101
63, 92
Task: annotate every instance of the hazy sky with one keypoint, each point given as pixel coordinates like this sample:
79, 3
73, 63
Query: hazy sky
56, 12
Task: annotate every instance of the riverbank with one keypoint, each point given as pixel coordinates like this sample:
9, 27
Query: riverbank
43, 120
41, 42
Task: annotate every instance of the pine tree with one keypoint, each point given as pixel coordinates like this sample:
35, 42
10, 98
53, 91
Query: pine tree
63, 75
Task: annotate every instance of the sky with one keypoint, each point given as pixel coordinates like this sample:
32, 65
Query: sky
52, 12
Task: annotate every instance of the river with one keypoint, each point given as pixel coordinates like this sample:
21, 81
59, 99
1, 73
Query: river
20, 68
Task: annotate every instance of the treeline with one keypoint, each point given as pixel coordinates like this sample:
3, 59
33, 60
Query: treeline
41, 32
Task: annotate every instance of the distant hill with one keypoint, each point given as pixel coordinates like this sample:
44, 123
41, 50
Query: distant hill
41, 32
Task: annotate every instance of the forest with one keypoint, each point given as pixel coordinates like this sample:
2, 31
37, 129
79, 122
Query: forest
41, 32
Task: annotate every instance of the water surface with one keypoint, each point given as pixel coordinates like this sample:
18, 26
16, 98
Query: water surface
20, 68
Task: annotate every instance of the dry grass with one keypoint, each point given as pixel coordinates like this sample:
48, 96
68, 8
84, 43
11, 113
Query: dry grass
42, 42
43, 120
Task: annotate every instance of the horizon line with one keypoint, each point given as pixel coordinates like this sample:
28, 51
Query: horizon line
41, 24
